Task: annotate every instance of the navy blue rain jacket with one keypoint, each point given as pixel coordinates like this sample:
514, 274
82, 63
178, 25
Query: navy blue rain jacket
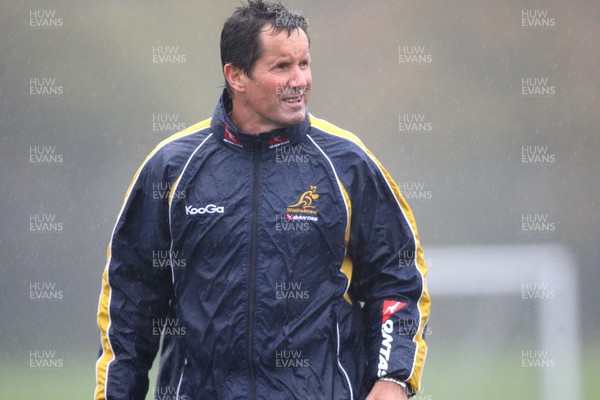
284, 265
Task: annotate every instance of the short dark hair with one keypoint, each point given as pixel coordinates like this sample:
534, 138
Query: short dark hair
240, 37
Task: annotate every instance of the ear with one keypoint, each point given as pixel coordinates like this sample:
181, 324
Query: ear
235, 77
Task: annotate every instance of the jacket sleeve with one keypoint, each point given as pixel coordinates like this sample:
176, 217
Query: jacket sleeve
136, 288
389, 274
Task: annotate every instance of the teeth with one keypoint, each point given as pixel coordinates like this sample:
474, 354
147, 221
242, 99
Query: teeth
295, 100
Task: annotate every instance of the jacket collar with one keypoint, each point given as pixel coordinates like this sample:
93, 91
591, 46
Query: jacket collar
230, 135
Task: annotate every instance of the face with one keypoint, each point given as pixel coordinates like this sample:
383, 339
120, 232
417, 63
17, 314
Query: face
276, 93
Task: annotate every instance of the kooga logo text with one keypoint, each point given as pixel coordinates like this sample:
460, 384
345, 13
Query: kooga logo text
209, 209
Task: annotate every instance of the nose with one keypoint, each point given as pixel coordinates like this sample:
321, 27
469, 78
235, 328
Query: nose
298, 77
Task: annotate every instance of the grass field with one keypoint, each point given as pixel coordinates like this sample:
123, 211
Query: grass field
444, 379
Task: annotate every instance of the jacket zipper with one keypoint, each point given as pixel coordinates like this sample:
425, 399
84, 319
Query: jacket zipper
253, 265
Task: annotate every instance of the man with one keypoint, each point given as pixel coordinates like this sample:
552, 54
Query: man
293, 265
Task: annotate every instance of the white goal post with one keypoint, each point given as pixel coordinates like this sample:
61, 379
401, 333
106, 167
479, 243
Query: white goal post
516, 270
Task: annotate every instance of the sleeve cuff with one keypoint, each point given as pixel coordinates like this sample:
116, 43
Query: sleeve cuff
407, 389
397, 381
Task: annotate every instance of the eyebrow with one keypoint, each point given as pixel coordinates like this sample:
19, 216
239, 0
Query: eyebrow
287, 59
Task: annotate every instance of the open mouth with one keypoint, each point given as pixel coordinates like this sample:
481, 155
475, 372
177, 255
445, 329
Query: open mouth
294, 96
292, 100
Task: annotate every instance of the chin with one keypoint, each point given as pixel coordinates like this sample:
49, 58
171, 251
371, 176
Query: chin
293, 119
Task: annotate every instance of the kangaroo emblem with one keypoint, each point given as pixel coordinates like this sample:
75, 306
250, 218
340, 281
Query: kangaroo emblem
307, 198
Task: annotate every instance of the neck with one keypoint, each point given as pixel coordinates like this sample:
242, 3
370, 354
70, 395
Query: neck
247, 121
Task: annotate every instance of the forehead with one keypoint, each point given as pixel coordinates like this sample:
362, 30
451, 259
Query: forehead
281, 45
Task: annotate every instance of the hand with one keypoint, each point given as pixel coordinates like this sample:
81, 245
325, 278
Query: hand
383, 390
